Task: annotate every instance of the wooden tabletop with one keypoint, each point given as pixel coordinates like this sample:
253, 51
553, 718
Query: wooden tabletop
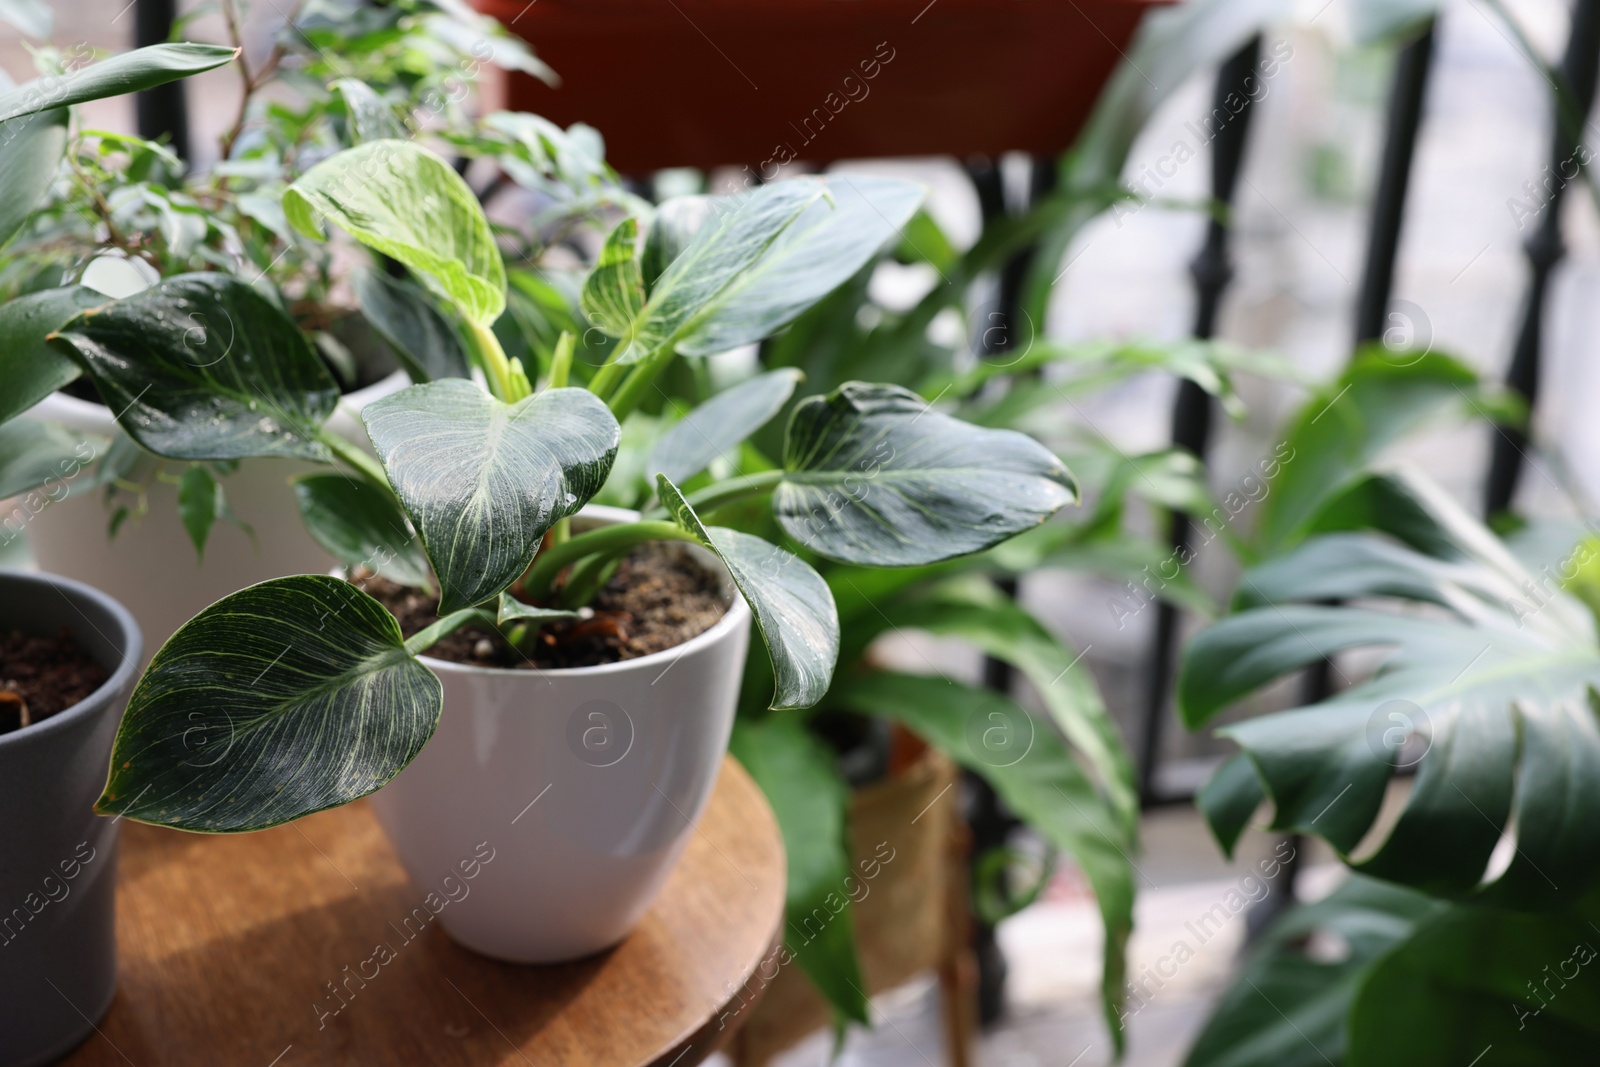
231, 946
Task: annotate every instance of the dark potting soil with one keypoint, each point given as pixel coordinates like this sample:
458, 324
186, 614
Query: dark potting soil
40, 676
659, 597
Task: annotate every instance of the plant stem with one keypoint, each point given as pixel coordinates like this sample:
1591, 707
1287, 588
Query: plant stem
505, 381
543, 573
723, 493
351, 455
587, 576
561, 361
643, 376
425, 638
605, 379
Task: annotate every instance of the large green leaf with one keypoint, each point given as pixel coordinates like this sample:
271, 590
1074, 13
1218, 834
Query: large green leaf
792, 605
202, 366
1478, 985
36, 454
720, 424
1489, 695
798, 776
143, 68
1290, 1008
30, 368
399, 199
280, 700
361, 526
722, 249
873, 475
403, 314
613, 294
835, 237
1035, 776
483, 480
30, 148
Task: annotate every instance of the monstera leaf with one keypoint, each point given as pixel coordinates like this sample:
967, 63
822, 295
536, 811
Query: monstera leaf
484, 480
281, 700
793, 608
1488, 691
422, 213
202, 366
720, 424
873, 475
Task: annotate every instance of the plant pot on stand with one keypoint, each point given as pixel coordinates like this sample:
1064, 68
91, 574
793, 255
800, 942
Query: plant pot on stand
584, 783
57, 858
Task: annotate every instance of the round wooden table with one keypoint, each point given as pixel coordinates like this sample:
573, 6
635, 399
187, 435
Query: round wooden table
237, 950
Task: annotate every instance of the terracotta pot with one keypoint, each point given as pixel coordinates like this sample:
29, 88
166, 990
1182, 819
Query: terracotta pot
585, 783
703, 83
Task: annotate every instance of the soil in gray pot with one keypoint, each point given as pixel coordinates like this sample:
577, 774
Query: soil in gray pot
42, 675
659, 597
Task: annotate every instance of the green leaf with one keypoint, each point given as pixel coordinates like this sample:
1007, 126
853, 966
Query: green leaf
1469, 980
1229, 799
30, 368
426, 343
361, 526
793, 608
1291, 1009
613, 294
371, 117
30, 149
1035, 776
483, 480
199, 502
202, 366
32, 17
720, 424
36, 454
673, 227
280, 700
512, 610
798, 776
874, 476
143, 68
405, 202
819, 251
1490, 695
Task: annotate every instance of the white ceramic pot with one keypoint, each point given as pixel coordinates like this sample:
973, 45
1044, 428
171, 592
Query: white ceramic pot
150, 565
582, 785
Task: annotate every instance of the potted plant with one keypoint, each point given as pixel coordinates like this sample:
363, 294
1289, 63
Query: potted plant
68, 653
302, 693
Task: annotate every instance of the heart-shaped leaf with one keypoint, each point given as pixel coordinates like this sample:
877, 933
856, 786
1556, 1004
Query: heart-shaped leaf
280, 700
613, 294
36, 454
483, 480
399, 199
874, 476
30, 148
30, 368
793, 608
424, 341
361, 526
720, 424
143, 68
202, 366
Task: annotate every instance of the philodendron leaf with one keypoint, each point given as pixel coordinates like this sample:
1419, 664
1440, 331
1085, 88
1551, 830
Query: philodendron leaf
202, 366
143, 68
370, 116
874, 476
720, 424
45, 455
30, 148
613, 294
280, 700
793, 608
361, 526
30, 368
399, 199
483, 480
403, 314
198, 505
512, 610
801, 782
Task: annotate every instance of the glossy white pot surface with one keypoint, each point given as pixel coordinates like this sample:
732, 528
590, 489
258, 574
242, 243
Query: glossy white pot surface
150, 565
582, 785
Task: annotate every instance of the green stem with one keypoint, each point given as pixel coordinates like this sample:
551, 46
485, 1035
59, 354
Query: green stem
605, 379
425, 638
355, 457
507, 382
543, 573
587, 576
723, 493
561, 360
643, 376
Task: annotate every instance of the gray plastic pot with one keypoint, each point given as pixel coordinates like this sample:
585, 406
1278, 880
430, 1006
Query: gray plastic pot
58, 860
